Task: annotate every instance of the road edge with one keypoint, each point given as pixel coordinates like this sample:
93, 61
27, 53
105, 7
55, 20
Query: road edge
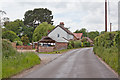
103, 62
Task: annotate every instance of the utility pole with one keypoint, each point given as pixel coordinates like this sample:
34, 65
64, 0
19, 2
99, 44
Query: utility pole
110, 27
105, 15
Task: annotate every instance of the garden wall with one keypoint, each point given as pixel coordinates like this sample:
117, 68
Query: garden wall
24, 47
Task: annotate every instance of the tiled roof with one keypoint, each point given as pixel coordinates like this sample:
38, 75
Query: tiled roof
78, 35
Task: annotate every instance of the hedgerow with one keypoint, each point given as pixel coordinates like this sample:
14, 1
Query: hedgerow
106, 46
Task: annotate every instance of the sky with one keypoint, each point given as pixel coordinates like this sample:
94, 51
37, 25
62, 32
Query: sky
75, 14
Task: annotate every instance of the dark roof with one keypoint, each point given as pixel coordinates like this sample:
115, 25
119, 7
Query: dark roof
47, 39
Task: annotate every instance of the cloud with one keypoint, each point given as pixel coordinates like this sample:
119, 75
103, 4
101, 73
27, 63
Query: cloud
76, 14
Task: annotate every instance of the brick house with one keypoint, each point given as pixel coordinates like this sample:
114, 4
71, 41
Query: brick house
57, 39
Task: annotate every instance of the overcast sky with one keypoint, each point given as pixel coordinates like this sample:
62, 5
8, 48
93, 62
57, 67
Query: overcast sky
75, 14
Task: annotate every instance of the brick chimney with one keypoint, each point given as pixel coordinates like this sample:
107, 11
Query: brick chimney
61, 24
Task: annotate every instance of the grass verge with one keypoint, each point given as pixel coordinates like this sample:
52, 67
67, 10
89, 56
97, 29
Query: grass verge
110, 56
17, 63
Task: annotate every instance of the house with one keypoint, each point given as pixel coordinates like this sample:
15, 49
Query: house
57, 39
78, 35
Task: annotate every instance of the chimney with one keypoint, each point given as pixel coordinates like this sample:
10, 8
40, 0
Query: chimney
62, 24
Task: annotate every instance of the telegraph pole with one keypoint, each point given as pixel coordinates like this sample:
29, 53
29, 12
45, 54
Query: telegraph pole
105, 15
110, 27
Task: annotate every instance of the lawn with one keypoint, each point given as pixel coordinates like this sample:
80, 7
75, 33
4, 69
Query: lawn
17, 63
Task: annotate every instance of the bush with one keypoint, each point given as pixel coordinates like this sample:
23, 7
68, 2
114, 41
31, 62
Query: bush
25, 39
7, 49
10, 35
14, 62
106, 47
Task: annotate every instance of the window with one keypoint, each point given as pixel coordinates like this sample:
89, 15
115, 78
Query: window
58, 35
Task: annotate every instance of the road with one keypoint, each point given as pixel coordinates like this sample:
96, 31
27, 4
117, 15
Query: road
77, 63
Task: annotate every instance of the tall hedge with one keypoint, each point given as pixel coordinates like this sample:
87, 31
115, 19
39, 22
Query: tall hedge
106, 46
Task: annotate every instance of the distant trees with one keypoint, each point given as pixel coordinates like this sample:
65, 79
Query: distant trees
15, 26
35, 17
83, 30
42, 30
93, 34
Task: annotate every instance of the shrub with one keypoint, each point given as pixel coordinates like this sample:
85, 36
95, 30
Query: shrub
10, 35
25, 39
106, 47
7, 49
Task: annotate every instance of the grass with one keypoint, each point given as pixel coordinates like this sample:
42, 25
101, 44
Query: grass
17, 63
109, 55
55, 52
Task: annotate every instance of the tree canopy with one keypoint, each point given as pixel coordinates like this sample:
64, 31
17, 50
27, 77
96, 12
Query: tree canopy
93, 34
10, 35
42, 30
83, 30
15, 26
35, 17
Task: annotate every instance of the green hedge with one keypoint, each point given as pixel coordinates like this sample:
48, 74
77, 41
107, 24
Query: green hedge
78, 44
106, 47
14, 62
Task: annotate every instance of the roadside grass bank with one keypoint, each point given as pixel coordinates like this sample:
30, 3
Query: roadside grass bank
106, 47
14, 62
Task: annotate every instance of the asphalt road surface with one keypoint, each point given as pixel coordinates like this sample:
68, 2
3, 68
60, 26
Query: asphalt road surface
78, 63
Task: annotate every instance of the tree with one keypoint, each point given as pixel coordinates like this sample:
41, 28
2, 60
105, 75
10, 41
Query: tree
25, 39
10, 35
35, 17
83, 30
42, 30
102, 32
93, 34
15, 26
28, 31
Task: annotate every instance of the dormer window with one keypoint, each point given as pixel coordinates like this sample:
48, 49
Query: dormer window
58, 35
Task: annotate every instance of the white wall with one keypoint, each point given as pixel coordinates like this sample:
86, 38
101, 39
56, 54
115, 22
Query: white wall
61, 32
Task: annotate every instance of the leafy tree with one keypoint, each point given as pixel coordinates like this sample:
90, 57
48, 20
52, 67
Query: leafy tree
15, 26
10, 35
37, 16
93, 34
102, 32
42, 30
25, 39
28, 31
83, 30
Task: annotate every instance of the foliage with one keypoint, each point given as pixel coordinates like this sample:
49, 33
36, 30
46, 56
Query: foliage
106, 47
42, 30
17, 63
37, 16
70, 45
7, 49
83, 30
25, 39
78, 44
14, 62
15, 26
28, 31
102, 32
93, 34
9, 35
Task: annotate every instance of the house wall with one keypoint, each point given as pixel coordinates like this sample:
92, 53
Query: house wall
60, 46
61, 32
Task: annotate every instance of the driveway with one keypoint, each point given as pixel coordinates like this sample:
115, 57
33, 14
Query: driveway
77, 63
